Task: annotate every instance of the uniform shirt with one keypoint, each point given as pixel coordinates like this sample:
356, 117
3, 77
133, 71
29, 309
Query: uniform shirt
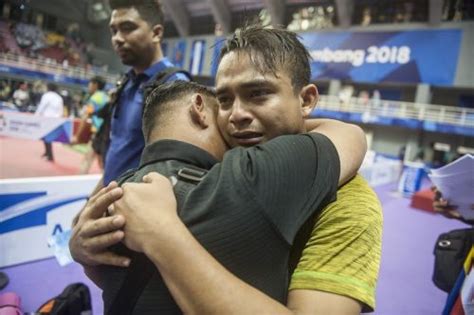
245, 212
51, 105
95, 102
342, 255
126, 137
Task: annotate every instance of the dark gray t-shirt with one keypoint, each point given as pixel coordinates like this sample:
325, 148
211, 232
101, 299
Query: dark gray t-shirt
246, 211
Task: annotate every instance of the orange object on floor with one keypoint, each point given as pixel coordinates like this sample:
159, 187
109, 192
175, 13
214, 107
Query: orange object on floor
423, 200
86, 133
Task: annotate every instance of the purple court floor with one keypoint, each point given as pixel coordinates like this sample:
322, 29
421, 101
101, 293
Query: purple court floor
404, 286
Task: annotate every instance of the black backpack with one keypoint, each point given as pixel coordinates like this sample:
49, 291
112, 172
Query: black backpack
74, 300
450, 252
101, 140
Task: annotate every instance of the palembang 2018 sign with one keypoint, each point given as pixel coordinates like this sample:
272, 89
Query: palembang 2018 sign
422, 56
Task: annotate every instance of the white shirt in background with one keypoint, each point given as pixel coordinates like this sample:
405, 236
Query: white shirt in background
51, 105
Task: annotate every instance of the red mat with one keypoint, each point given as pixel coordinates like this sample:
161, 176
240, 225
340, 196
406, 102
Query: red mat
423, 200
22, 158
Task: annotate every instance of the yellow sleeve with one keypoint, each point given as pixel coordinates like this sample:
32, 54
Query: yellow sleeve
342, 255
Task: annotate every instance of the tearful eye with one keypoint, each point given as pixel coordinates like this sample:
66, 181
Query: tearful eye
224, 101
259, 93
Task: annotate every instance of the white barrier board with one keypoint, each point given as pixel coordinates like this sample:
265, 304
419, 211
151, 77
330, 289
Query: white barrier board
29, 126
33, 209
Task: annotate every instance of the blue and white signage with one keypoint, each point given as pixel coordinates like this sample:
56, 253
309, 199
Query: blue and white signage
197, 57
426, 56
29, 126
179, 51
34, 209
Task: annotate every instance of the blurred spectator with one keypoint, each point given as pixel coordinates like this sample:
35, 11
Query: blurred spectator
5, 90
39, 88
345, 94
366, 17
51, 105
21, 97
364, 98
76, 101
67, 100
29, 36
312, 17
73, 32
376, 98
218, 30
97, 100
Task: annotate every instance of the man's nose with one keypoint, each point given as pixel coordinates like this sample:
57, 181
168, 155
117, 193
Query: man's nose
117, 39
240, 115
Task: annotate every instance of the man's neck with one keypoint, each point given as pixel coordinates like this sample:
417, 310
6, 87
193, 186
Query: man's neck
191, 138
141, 68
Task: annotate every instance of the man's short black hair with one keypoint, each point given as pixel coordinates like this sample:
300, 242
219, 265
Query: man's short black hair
99, 81
150, 10
271, 50
160, 99
52, 86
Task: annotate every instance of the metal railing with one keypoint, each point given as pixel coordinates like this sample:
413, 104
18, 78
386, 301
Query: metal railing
437, 113
54, 68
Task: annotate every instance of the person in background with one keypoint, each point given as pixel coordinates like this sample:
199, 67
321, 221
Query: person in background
37, 91
5, 90
97, 100
51, 105
136, 32
21, 97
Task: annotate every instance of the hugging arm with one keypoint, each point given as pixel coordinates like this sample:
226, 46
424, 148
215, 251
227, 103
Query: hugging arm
349, 140
173, 244
224, 292
93, 233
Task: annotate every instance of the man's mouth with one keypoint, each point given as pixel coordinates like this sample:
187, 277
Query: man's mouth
122, 51
247, 138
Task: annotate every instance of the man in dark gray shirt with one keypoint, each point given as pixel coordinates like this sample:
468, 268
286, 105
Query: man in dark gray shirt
247, 209
196, 125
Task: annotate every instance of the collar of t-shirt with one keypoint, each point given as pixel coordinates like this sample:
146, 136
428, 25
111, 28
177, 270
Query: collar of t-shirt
149, 72
163, 150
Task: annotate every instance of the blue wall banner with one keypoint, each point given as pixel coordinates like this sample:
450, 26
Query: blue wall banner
164, 48
402, 56
218, 44
198, 50
179, 51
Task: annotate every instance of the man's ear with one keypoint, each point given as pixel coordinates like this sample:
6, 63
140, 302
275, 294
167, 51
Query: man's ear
309, 98
157, 33
197, 110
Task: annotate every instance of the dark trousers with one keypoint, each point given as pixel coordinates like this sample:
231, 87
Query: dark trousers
48, 150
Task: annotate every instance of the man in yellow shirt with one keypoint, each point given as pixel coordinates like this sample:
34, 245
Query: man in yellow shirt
251, 87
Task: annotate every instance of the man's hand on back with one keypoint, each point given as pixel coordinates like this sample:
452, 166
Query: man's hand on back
94, 233
150, 211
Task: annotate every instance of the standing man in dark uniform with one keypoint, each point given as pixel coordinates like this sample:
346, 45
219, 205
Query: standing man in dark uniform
137, 31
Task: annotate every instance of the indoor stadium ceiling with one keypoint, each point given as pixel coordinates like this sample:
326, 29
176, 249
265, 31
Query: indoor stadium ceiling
188, 14
197, 17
